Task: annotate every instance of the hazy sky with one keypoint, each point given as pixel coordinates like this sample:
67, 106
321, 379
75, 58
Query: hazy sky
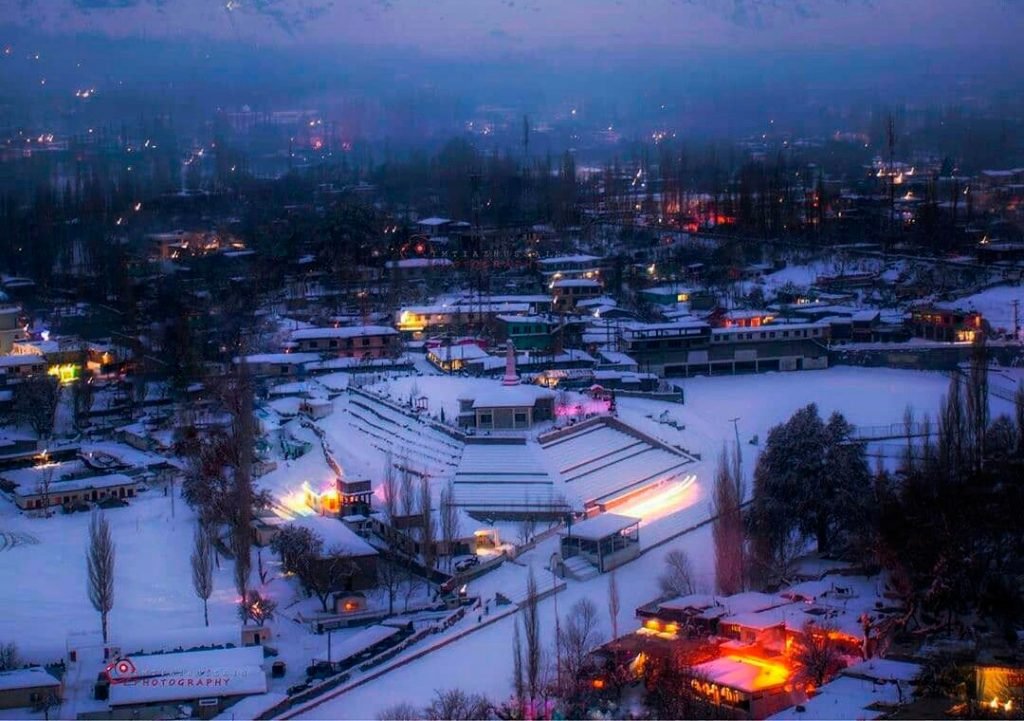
468, 27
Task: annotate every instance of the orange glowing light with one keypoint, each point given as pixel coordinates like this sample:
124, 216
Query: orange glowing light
598, 683
653, 624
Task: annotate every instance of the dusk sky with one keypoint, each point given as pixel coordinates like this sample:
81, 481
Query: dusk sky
462, 27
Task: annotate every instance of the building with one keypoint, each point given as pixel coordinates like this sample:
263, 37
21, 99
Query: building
11, 329
277, 365
527, 332
43, 492
566, 292
28, 687
453, 358
358, 341
570, 266
517, 408
943, 324
208, 679
417, 269
16, 367
691, 346
606, 541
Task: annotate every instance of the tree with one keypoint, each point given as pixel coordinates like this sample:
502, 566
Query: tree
100, 565
35, 402
817, 653
457, 705
977, 400
428, 531
400, 712
613, 604
43, 490
727, 526
406, 489
323, 575
531, 632
449, 520
518, 679
295, 545
390, 487
580, 635
257, 608
391, 575
9, 657
677, 578
202, 568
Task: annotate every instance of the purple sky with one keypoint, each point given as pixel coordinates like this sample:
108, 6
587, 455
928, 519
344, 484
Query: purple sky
461, 27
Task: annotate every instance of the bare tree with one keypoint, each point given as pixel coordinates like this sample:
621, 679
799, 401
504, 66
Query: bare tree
449, 520
526, 528
977, 400
427, 528
202, 568
457, 705
908, 429
390, 577
677, 578
257, 608
322, 576
531, 631
406, 488
390, 487
1018, 409
100, 564
43, 490
580, 635
727, 526
400, 712
518, 680
613, 603
817, 653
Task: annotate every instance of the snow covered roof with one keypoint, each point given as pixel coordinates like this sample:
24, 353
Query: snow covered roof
153, 637
580, 258
282, 358
743, 674
600, 526
34, 677
433, 221
9, 361
114, 480
511, 397
336, 535
694, 601
575, 283
884, 669
751, 602
846, 698
466, 351
353, 331
192, 674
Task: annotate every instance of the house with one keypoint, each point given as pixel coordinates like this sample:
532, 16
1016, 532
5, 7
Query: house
665, 295
945, 324
359, 341
278, 365
28, 687
570, 266
507, 408
339, 538
16, 367
33, 496
10, 328
452, 358
527, 332
566, 292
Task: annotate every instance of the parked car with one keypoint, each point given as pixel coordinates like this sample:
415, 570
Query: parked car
467, 563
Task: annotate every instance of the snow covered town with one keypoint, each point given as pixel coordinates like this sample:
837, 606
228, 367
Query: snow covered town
331, 389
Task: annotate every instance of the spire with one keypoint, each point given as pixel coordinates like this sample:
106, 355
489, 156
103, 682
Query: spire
511, 378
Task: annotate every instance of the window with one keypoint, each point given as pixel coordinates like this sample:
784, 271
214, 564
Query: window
366, 342
486, 419
313, 344
520, 418
332, 344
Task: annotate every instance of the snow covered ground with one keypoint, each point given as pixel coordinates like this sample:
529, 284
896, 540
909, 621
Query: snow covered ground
995, 304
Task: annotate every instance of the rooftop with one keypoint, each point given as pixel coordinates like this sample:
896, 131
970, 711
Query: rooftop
600, 526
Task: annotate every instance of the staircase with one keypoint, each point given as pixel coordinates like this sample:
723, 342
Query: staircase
580, 569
